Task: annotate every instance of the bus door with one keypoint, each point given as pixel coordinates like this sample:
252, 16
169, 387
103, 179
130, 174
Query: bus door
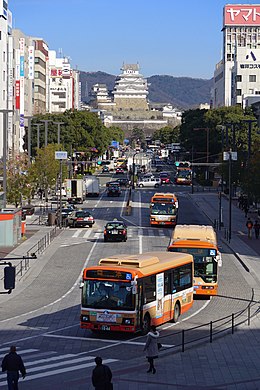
168, 306
139, 306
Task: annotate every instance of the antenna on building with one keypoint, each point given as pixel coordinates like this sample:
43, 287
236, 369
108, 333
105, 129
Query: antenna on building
60, 52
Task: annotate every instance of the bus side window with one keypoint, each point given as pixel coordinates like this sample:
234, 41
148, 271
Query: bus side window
149, 289
167, 282
186, 276
175, 280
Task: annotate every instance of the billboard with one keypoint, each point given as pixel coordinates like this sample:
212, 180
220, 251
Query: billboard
241, 15
31, 62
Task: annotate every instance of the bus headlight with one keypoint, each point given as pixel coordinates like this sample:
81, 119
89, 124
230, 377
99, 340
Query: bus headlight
85, 318
128, 321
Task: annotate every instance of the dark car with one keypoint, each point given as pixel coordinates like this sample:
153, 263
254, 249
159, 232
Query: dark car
105, 169
123, 182
159, 168
115, 230
80, 218
119, 171
165, 178
28, 209
113, 190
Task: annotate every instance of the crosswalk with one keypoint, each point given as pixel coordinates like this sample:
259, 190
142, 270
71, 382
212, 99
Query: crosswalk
43, 364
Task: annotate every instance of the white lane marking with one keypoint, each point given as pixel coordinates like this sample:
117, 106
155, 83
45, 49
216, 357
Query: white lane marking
24, 352
102, 340
242, 233
61, 371
87, 233
62, 297
77, 233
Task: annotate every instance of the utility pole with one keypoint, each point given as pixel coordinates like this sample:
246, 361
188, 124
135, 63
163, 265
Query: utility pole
249, 136
46, 122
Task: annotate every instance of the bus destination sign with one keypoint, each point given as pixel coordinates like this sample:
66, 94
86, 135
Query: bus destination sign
108, 274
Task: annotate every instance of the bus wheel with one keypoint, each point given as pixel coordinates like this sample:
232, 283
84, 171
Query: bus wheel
146, 324
176, 312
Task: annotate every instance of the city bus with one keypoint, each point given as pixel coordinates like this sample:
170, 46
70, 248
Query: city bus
201, 242
163, 209
129, 293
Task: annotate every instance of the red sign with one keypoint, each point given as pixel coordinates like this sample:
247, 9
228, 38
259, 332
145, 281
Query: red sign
17, 94
242, 15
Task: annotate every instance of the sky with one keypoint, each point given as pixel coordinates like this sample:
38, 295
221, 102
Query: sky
181, 38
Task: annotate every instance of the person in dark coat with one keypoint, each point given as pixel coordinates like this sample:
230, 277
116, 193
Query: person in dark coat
151, 346
13, 363
101, 376
257, 229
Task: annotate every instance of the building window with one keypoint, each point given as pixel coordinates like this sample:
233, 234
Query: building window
238, 92
238, 78
251, 91
3, 95
252, 78
3, 56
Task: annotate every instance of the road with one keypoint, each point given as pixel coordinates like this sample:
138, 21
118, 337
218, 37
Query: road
42, 317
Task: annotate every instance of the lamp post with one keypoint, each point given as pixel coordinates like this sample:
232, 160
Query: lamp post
249, 137
38, 134
5, 146
58, 134
229, 156
133, 167
46, 122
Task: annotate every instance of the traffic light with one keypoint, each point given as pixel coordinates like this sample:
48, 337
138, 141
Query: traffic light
9, 278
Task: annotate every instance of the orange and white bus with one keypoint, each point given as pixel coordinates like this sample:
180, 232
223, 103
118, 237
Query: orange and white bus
201, 242
164, 209
131, 292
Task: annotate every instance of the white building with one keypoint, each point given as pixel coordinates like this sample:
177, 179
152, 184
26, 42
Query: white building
241, 42
64, 88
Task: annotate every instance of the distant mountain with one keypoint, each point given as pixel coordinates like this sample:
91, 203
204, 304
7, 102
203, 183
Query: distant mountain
181, 92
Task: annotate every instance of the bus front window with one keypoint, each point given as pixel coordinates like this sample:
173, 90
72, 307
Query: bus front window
205, 267
107, 295
163, 209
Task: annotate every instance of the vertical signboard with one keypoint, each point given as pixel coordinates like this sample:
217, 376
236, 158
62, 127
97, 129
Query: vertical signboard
21, 48
31, 62
159, 294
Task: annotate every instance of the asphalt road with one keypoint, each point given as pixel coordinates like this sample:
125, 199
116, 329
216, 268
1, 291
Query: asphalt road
42, 316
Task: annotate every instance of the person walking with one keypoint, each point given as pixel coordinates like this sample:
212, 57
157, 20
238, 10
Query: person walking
151, 346
12, 363
101, 376
249, 225
257, 229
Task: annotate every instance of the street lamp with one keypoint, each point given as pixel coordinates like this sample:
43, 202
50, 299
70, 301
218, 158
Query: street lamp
133, 167
207, 151
249, 138
46, 122
58, 134
229, 156
38, 134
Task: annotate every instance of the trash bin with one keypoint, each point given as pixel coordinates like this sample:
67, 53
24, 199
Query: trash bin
51, 219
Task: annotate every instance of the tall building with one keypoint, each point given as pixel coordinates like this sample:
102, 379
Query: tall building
40, 74
237, 75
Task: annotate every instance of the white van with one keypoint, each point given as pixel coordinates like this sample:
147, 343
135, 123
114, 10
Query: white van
149, 182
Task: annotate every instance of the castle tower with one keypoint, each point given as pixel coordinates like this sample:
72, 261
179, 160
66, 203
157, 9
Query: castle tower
131, 90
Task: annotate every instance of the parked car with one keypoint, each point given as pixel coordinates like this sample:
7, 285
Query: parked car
119, 171
123, 182
80, 218
165, 178
149, 182
115, 230
65, 213
113, 190
28, 209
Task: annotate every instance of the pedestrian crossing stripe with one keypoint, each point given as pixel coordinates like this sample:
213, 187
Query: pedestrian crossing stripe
52, 365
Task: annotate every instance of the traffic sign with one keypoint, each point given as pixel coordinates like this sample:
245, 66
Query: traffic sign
61, 155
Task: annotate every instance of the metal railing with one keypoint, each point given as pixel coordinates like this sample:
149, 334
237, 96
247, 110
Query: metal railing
210, 330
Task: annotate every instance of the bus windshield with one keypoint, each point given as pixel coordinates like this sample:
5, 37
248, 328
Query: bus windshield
163, 209
205, 264
112, 295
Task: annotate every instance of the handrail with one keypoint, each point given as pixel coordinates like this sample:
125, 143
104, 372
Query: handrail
210, 331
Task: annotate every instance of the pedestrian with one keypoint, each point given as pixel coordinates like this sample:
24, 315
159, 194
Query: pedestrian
12, 363
151, 346
257, 229
249, 225
246, 209
101, 376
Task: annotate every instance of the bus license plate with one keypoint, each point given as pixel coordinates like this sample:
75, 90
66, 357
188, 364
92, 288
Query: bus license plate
105, 327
